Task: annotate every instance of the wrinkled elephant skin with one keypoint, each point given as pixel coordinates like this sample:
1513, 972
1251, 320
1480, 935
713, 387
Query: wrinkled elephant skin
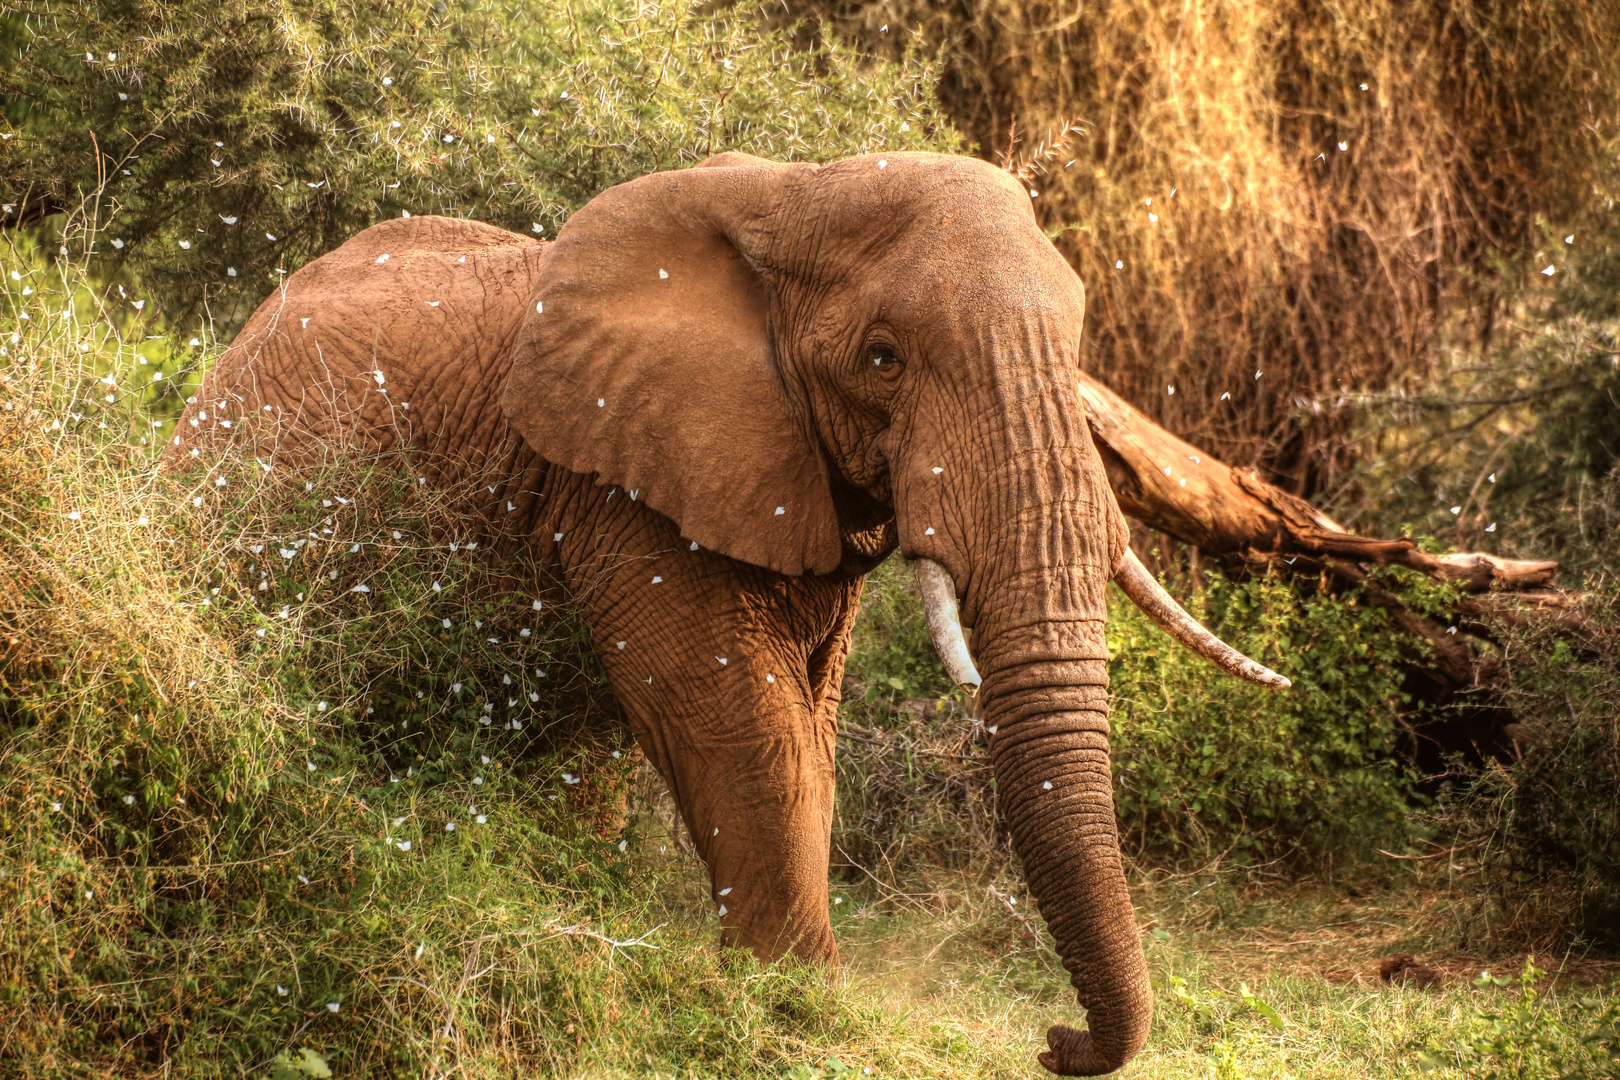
721, 397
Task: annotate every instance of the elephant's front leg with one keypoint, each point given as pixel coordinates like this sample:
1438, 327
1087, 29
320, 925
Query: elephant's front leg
757, 797
725, 675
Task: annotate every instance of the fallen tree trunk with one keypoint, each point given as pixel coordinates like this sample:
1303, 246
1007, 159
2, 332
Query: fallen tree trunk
1170, 485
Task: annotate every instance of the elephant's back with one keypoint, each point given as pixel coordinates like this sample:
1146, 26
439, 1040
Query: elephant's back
406, 328
423, 244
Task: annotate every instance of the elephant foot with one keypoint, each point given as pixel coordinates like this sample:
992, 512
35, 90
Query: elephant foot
1072, 1053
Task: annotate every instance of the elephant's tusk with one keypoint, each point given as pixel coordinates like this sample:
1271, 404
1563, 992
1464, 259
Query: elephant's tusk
1146, 593
945, 624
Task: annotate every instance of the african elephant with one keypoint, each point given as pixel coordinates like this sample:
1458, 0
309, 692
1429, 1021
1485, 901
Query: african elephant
729, 392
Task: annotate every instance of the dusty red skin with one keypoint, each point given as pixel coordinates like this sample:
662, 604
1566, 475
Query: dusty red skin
705, 340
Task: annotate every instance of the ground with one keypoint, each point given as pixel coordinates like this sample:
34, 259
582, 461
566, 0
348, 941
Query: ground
968, 969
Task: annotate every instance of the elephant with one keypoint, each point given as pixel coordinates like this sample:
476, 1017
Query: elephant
722, 396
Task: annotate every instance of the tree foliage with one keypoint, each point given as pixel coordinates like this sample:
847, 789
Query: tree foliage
216, 145
1515, 447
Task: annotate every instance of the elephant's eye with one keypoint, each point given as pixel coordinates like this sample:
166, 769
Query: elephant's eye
882, 357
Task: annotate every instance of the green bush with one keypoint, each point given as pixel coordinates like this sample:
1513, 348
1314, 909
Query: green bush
236, 788
215, 145
1204, 764
1515, 449
1207, 763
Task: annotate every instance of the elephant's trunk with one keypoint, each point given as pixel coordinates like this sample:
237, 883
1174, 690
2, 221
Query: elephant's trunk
1045, 700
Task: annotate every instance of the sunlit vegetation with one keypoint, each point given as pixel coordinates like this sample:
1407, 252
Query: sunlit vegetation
291, 776
217, 146
1276, 206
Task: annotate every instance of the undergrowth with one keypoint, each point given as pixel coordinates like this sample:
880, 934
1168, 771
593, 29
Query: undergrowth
1205, 766
1541, 830
288, 764
1514, 449
1529, 1039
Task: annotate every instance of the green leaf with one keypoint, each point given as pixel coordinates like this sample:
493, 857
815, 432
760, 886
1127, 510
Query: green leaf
1269, 1013
308, 1065
1259, 1006
314, 1065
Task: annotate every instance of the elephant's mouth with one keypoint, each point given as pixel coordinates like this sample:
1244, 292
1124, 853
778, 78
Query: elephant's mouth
945, 624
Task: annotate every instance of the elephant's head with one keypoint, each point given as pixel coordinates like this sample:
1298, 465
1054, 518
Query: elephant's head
739, 342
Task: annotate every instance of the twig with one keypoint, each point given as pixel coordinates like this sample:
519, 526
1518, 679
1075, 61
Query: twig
1007, 902
882, 744
1012, 141
1027, 169
1431, 855
203, 867
881, 884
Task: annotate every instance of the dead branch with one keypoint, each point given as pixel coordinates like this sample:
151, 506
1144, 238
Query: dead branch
1172, 486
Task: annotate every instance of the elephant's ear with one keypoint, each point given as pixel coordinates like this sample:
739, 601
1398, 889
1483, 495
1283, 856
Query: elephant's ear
646, 358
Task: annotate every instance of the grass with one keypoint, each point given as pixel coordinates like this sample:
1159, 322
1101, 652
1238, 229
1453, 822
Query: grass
963, 976
228, 781
1308, 954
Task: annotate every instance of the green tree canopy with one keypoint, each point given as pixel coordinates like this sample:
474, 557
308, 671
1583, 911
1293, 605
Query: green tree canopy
213, 145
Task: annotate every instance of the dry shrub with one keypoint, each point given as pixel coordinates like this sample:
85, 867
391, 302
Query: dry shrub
1271, 265
251, 823
1542, 831
916, 794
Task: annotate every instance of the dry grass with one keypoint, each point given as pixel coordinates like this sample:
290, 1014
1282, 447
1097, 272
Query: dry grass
1218, 945
250, 809
1218, 225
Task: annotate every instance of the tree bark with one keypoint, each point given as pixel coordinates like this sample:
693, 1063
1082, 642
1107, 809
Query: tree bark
1172, 486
